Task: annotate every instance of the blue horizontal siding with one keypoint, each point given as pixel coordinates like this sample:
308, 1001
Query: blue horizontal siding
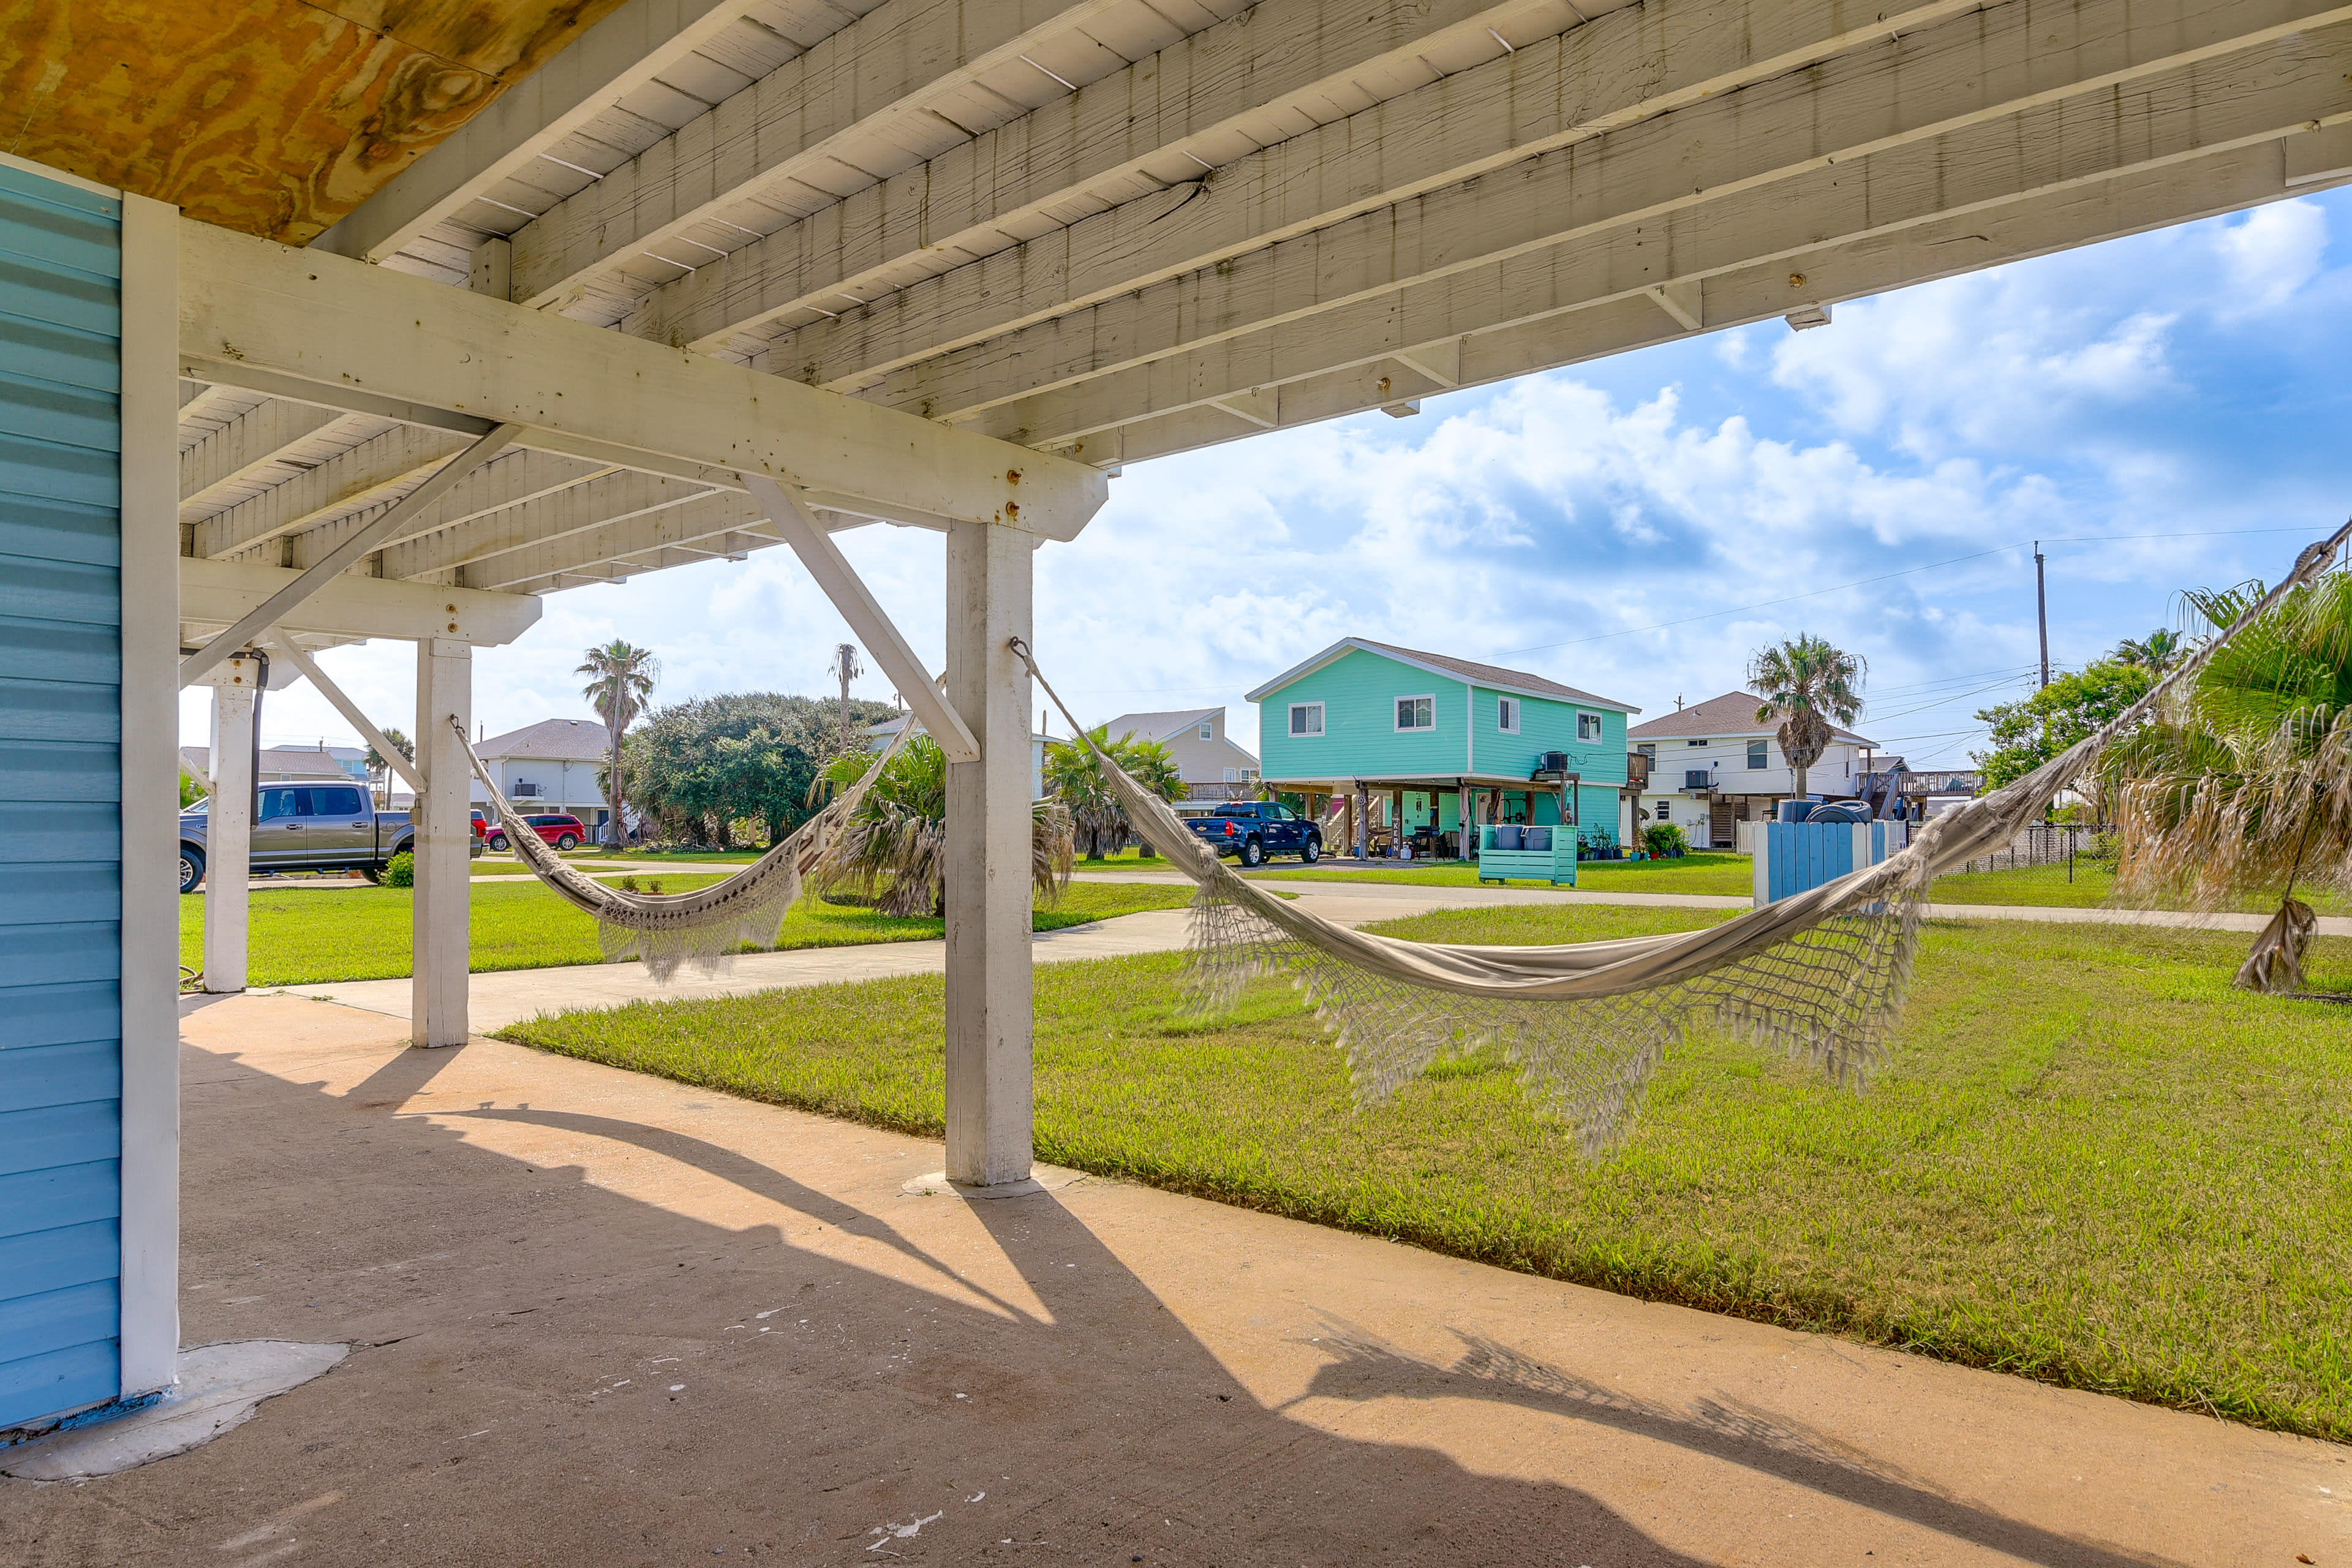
53, 1015
50, 297
49, 833
57, 354
35, 893
40, 1261
57, 1319
60, 591
60, 1135
60, 710
59, 530
59, 952
60, 1382
35, 226
46, 470
71, 415
58, 650
59, 1194
47, 770
73, 1073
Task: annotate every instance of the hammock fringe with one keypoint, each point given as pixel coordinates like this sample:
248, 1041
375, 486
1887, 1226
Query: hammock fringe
1819, 977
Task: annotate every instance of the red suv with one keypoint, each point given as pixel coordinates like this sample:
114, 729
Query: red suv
563, 831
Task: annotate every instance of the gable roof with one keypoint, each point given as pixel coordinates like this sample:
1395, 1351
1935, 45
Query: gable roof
1729, 715
1160, 726
552, 739
1491, 675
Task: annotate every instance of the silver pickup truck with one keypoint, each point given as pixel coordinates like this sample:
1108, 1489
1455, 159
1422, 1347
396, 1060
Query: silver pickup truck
318, 826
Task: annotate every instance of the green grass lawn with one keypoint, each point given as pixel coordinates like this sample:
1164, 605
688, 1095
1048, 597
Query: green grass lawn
2090, 1162
1729, 875
301, 938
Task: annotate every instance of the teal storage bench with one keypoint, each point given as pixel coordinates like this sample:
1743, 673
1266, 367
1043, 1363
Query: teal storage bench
1504, 854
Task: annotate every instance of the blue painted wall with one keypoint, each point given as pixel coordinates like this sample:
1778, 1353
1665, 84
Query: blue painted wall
60, 788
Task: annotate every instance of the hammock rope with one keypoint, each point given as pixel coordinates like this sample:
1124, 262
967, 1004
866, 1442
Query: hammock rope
1819, 975
704, 927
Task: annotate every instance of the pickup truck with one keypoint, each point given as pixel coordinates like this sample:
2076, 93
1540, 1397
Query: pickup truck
316, 827
1254, 829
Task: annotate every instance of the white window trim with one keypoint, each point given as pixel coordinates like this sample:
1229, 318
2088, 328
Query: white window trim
1208, 729
1318, 732
1764, 766
1428, 697
1600, 723
1506, 705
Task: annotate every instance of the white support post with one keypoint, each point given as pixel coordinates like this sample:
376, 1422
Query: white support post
228, 830
443, 819
987, 898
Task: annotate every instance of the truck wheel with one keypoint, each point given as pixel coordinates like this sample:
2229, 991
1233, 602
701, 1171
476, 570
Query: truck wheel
1312, 852
191, 868
1253, 853
566, 841
373, 874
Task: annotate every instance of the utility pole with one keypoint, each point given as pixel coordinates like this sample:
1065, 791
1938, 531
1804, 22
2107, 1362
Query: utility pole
845, 666
2041, 611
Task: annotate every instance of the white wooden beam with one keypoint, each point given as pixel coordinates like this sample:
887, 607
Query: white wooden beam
353, 714
251, 307
569, 537
213, 468
221, 593
1401, 165
373, 472
514, 480
1635, 199
608, 496
1681, 299
873, 81
1261, 406
620, 54
863, 612
1271, 72
317, 574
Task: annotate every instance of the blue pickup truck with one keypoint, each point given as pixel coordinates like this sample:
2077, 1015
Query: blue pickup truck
1254, 829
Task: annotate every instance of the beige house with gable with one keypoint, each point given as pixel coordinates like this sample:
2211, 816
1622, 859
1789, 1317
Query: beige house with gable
1213, 766
1714, 765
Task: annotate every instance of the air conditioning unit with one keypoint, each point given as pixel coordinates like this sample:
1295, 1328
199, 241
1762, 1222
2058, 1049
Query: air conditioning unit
524, 790
1698, 778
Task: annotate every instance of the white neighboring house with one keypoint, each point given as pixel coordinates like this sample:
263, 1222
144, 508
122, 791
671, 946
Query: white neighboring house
282, 764
551, 766
1715, 764
1212, 767
878, 735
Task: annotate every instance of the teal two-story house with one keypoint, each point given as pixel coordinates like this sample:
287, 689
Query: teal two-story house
1405, 738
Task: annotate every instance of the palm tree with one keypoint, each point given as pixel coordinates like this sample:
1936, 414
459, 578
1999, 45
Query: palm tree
1076, 779
380, 771
894, 851
1810, 687
620, 680
2155, 653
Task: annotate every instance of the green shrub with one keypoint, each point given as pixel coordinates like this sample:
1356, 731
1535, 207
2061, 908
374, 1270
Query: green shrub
402, 872
1664, 838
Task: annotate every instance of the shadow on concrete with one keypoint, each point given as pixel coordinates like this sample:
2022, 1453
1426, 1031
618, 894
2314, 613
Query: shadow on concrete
551, 1371
1368, 1367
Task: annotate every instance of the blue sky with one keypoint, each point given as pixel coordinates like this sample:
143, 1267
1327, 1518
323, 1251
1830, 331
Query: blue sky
1638, 526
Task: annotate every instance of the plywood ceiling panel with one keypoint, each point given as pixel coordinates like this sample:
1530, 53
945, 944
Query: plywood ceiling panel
273, 117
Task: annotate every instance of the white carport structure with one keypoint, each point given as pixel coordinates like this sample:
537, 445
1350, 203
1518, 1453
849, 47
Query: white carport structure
711, 275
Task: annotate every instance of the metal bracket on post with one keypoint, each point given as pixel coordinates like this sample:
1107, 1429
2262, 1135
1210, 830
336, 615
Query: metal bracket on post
865, 615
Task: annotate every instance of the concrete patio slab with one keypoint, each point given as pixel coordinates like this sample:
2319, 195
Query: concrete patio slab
603, 1319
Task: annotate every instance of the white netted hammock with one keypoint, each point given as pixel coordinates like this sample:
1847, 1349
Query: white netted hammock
1819, 976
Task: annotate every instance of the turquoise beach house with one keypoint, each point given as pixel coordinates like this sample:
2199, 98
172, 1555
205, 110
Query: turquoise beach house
1394, 741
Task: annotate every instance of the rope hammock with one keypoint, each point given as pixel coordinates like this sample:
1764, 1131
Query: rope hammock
1819, 976
705, 926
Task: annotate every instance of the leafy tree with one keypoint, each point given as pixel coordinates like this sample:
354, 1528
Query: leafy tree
378, 771
620, 680
2026, 734
894, 851
703, 764
1810, 687
1075, 778
2157, 652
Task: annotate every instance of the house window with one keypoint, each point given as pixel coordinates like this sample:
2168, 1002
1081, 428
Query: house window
1507, 716
1306, 718
1208, 729
1416, 712
1694, 742
1648, 749
1663, 814
1756, 755
1588, 726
